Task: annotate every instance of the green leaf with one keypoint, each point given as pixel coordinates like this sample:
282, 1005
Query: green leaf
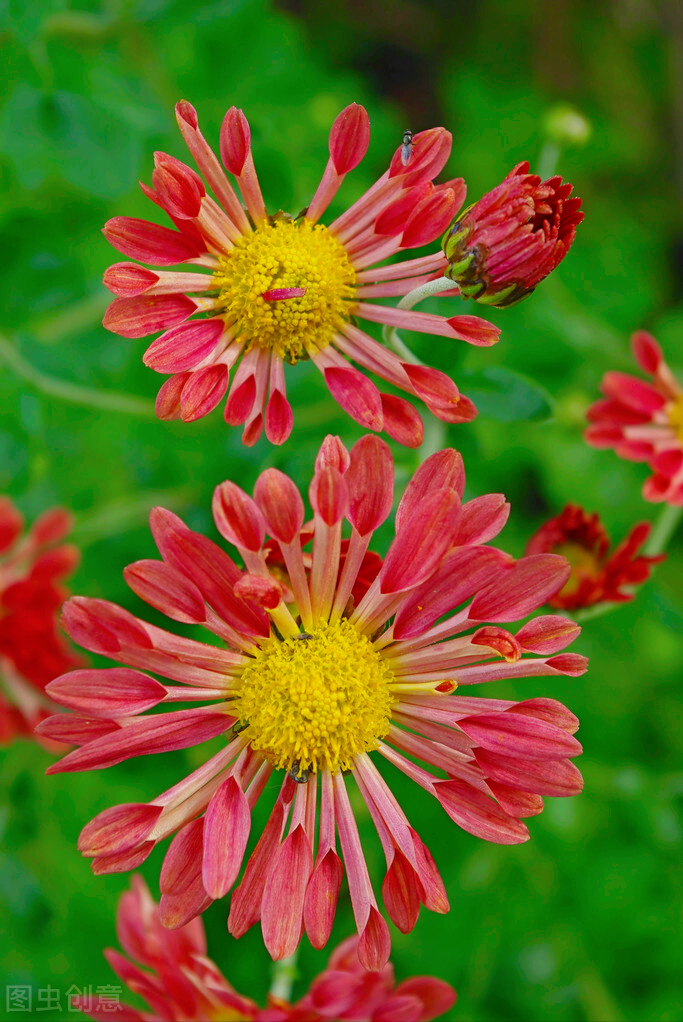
507, 396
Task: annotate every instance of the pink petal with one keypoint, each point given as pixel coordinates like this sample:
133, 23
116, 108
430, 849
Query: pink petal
349, 138
150, 243
634, 393
145, 314
516, 735
168, 590
474, 330
370, 482
320, 903
128, 279
203, 391
548, 633
266, 592
167, 404
443, 469
164, 732
279, 419
118, 829
647, 351
176, 910
238, 517
430, 218
183, 861
283, 897
226, 831
521, 589
544, 777
240, 402
482, 519
245, 906
115, 692
418, 548
184, 346
572, 664
400, 893
329, 495
374, 944
500, 640
67, 727
436, 996
478, 814
332, 454
458, 577
550, 710
123, 863
357, 395
235, 141
101, 626
280, 503
401, 421
521, 804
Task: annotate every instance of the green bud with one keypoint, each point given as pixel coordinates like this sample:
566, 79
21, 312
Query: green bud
567, 126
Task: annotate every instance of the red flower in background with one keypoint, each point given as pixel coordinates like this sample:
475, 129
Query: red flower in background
32, 650
505, 244
268, 290
597, 575
332, 656
644, 421
181, 984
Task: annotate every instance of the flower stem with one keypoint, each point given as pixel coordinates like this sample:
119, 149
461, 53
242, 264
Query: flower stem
548, 160
390, 335
73, 392
284, 974
663, 530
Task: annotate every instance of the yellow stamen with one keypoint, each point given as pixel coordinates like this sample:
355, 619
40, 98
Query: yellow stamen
583, 562
284, 253
316, 701
675, 413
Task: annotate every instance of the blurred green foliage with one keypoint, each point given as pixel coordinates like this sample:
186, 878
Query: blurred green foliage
583, 922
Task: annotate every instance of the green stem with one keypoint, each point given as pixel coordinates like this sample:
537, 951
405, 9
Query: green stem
284, 974
663, 530
390, 335
73, 392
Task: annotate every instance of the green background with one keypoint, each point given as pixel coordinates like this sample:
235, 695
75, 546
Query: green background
583, 921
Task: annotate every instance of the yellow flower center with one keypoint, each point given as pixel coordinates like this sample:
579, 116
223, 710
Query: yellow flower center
583, 563
318, 700
675, 412
284, 253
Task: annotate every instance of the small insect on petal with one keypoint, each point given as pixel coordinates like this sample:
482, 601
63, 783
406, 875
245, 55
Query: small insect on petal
406, 147
281, 294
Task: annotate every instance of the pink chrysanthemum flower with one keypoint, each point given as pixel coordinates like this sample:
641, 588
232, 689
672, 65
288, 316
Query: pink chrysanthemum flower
333, 657
644, 421
509, 241
181, 984
265, 290
597, 574
32, 650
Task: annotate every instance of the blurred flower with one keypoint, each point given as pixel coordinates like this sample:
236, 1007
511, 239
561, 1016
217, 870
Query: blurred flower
314, 679
276, 289
505, 244
644, 421
32, 650
596, 575
180, 984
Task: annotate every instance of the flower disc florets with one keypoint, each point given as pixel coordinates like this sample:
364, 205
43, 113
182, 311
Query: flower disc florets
255, 291
334, 659
316, 700
285, 254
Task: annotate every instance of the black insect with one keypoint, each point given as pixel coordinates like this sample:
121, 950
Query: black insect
303, 635
298, 775
406, 147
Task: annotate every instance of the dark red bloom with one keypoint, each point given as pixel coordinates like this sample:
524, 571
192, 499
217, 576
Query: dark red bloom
597, 575
180, 982
32, 650
504, 245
